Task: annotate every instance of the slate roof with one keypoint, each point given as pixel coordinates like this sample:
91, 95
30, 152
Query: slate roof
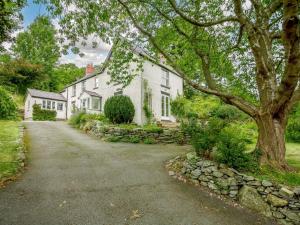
138, 51
46, 94
91, 93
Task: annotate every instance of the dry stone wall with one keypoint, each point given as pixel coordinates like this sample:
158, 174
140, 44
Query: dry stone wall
273, 200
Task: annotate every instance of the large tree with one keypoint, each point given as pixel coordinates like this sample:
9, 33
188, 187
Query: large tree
38, 44
10, 17
241, 48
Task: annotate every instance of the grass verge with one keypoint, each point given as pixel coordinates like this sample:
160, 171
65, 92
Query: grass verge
10, 150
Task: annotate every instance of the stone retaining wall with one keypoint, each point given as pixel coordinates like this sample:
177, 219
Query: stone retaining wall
272, 200
164, 136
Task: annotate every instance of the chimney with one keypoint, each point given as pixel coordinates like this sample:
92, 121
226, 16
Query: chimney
89, 69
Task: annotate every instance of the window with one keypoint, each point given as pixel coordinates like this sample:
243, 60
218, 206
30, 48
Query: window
83, 86
44, 104
60, 106
73, 107
53, 105
165, 78
84, 103
48, 104
28, 106
165, 106
74, 90
96, 82
96, 103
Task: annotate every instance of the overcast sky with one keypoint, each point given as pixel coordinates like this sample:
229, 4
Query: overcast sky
91, 55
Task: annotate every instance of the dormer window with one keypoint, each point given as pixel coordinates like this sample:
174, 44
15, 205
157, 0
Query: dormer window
165, 78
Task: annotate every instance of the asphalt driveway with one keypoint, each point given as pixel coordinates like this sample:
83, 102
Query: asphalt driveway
74, 179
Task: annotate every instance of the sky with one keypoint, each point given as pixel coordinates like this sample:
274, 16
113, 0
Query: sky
91, 55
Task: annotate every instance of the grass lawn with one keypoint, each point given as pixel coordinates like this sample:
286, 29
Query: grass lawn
9, 135
288, 178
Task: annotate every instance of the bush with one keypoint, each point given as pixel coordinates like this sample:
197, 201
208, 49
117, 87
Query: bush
149, 141
86, 117
119, 109
75, 119
8, 107
153, 129
293, 130
43, 114
134, 139
113, 139
231, 150
228, 112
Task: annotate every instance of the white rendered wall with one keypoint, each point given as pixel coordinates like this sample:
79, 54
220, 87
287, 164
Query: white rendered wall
61, 114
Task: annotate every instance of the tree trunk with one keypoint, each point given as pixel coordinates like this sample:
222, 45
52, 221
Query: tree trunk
271, 140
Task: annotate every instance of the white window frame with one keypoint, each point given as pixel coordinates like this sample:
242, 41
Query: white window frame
49, 104
165, 78
99, 105
60, 106
53, 105
44, 106
165, 106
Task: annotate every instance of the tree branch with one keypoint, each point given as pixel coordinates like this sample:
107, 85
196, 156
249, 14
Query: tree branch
234, 100
197, 23
273, 7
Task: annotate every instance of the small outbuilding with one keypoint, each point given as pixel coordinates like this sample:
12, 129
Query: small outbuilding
46, 100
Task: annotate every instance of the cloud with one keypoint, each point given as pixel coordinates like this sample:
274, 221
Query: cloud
95, 55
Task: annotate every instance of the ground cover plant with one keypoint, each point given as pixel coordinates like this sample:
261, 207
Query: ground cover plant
9, 148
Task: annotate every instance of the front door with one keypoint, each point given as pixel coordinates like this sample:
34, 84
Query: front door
165, 107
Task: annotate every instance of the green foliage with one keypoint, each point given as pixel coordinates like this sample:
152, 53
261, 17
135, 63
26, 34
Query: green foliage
9, 139
293, 126
86, 117
134, 139
201, 105
149, 141
38, 44
10, 11
113, 139
277, 176
65, 74
152, 128
228, 112
8, 107
75, 119
231, 150
18, 75
293, 130
119, 109
43, 114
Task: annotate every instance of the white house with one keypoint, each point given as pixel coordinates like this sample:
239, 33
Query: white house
47, 100
157, 82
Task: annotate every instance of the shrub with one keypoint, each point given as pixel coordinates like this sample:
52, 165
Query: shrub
149, 141
231, 150
8, 107
113, 139
75, 119
43, 114
134, 139
119, 109
293, 130
228, 112
153, 129
86, 117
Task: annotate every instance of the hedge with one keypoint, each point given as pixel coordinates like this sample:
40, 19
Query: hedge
43, 114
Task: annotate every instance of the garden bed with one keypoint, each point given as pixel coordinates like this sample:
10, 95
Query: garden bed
273, 200
150, 134
12, 150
